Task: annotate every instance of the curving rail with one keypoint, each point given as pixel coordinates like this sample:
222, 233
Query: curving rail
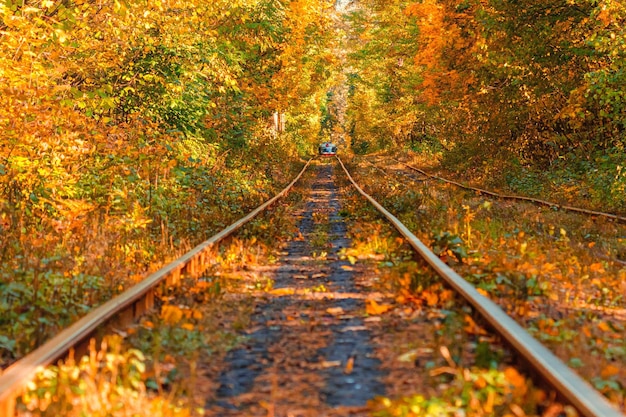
128, 305
573, 388
616, 217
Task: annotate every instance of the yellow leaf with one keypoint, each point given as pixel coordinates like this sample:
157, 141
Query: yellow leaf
373, 308
597, 267
488, 405
472, 328
171, 314
431, 298
446, 295
334, 310
482, 292
480, 383
596, 282
603, 325
187, 326
282, 291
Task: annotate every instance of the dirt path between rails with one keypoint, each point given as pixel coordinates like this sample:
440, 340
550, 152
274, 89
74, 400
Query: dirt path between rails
309, 351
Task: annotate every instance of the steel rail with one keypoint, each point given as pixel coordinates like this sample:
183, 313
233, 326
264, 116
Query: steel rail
131, 304
588, 401
517, 197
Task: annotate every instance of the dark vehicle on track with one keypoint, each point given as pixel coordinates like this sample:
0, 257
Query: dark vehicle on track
328, 149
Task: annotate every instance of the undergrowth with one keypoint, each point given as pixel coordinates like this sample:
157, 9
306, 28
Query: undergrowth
593, 179
59, 259
152, 367
557, 273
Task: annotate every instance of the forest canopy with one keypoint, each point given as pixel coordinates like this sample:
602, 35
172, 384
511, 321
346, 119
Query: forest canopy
516, 84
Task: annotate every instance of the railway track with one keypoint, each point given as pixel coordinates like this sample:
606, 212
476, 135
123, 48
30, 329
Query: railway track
344, 373
426, 176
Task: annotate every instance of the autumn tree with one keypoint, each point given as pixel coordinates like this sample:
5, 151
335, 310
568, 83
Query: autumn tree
129, 128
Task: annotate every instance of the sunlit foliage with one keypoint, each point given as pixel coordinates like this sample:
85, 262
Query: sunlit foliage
533, 84
128, 128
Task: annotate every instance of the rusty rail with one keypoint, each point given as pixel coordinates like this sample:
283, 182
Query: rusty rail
517, 197
588, 401
130, 304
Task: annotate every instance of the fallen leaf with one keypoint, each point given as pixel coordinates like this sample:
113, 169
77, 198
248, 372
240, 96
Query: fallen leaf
482, 292
413, 354
488, 405
330, 364
517, 410
282, 291
372, 319
609, 371
517, 381
431, 298
353, 329
334, 310
472, 328
373, 308
349, 366
171, 314
445, 352
480, 383
443, 370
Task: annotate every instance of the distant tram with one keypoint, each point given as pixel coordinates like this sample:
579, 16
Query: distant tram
328, 149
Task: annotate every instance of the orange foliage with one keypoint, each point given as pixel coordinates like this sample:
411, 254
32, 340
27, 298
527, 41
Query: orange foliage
373, 308
518, 381
441, 43
116, 120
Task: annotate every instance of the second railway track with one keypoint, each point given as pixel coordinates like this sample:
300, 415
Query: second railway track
313, 342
